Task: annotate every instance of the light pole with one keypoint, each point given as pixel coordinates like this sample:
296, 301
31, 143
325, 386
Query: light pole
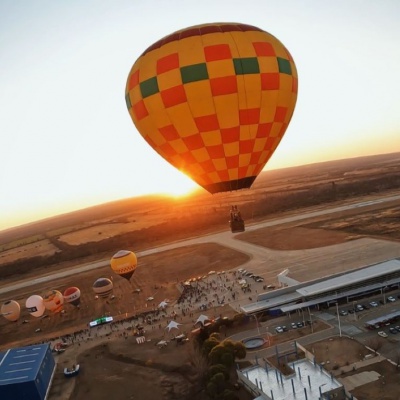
338, 317
258, 327
311, 321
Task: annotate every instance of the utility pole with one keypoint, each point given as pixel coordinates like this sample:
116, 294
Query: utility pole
338, 317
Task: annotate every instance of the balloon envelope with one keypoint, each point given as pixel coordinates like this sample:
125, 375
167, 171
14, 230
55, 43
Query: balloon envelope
124, 263
214, 100
11, 310
35, 305
72, 295
53, 301
103, 287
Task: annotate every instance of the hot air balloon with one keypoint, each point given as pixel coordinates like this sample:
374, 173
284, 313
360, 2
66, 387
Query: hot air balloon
11, 310
53, 301
214, 100
124, 263
35, 305
72, 295
103, 287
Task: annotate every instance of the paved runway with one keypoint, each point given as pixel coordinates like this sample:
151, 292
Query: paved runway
267, 262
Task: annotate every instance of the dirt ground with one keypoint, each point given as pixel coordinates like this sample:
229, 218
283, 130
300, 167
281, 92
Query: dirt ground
109, 367
342, 354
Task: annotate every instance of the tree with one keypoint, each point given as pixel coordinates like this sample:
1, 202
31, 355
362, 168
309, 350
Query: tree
240, 350
226, 352
217, 369
216, 385
209, 345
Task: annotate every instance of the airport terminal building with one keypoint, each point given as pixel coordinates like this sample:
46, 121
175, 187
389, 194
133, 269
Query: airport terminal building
26, 373
340, 288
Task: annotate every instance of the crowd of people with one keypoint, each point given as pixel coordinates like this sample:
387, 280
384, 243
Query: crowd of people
206, 293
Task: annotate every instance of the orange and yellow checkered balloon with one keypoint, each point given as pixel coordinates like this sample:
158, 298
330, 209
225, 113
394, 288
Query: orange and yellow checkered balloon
214, 100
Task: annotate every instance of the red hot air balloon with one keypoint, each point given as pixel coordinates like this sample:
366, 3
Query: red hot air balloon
72, 295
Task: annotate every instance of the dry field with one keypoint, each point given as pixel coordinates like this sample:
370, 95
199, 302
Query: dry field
160, 272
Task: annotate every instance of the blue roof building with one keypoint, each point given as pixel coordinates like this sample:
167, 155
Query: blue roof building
26, 373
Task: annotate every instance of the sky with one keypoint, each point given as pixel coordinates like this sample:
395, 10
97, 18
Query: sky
67, 141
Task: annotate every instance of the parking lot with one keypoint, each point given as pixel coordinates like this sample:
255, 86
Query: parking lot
357, 318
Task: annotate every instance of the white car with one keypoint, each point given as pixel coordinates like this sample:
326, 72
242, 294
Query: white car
391, 299
373, 304
279, 329
382, 334
211, 273
150, 298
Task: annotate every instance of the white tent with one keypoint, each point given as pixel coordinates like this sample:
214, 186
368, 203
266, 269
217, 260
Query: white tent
173, 324
202, 319
163, 304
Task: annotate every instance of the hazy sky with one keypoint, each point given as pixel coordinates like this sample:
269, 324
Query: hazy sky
67, 140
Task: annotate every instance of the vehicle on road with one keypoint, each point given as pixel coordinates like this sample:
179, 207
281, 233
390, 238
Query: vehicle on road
100, 321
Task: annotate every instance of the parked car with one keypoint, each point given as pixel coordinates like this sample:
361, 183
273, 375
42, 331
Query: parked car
343, 313
397, 328
382, 334
293, 325
374, 304
391, 299
393, 330
300, 324
279, 329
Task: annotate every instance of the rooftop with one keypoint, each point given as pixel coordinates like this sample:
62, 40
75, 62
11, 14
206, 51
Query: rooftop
373, 271
21, 364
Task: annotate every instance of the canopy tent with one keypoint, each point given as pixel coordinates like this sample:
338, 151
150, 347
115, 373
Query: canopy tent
202, 319
163, 304
172, 324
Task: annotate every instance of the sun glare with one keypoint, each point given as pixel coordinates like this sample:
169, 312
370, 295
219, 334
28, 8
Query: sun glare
181, 188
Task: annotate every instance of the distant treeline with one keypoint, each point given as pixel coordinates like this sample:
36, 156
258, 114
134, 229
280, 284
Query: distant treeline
201, 222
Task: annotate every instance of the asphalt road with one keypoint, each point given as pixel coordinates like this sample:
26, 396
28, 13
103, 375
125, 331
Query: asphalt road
353, 254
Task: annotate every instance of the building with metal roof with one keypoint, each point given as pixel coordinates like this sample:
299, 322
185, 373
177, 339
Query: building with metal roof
346, 286
26, 373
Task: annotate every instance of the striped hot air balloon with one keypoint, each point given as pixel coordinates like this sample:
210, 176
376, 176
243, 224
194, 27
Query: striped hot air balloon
103, 287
